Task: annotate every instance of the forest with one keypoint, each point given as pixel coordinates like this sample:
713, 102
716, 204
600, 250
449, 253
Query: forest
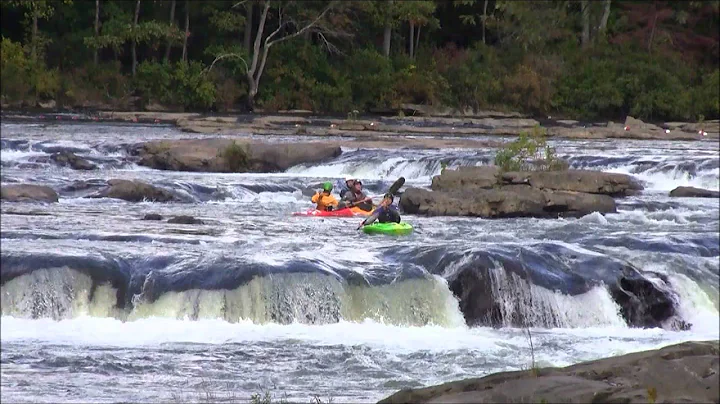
589, 60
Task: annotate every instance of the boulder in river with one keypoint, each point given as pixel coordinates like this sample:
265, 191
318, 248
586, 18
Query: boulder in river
227, 155
183, 219
517, 287
682, 373
487, 192
152, 216
65, 158
505, 202
28, 193
134, 191
692, 192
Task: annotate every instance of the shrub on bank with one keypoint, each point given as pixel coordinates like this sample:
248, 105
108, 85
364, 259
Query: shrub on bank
529, 152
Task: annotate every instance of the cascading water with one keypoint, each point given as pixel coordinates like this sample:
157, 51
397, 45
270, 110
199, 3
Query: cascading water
281, 302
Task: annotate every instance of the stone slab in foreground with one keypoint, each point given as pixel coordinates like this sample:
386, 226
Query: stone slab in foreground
683, 373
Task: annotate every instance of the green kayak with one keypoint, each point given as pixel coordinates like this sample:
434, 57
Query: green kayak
401, 228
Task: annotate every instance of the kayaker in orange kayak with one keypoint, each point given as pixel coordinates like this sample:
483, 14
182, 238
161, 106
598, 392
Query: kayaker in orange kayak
325, 200
356, 197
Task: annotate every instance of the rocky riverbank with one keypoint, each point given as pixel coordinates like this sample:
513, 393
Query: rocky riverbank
682, 373
423, 124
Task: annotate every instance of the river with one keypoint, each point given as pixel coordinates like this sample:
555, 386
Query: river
112, 308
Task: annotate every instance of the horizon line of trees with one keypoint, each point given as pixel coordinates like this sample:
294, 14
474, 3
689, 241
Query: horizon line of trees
574, 58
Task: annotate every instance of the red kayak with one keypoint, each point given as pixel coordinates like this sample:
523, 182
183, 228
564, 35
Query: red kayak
346, 212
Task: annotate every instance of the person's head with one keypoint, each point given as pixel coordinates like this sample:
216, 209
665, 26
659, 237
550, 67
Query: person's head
327, 188
349, 181
357, 186
387, 200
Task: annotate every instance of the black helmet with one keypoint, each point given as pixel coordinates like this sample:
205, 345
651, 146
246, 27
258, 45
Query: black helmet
390, 196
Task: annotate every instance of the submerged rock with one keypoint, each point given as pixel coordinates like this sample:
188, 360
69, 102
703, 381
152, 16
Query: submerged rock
134, 191
682, 373
514, 287
692, 192
28, 193
73, 161
219, 155
183, 219
152, 216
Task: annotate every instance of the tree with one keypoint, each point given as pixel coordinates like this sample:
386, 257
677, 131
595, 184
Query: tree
418, 14
292, 18
36, 10
172, 22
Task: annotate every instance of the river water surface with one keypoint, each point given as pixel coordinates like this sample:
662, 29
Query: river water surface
100, 306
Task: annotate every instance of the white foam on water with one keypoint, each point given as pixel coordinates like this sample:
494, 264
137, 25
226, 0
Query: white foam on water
18, 155
667, 181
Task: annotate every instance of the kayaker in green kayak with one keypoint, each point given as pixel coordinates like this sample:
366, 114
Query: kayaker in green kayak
386, 212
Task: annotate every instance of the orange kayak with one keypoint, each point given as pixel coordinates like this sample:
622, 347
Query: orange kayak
345, 212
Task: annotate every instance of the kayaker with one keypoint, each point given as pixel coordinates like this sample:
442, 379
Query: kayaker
346, 185
324, 200
386, 212
356, 197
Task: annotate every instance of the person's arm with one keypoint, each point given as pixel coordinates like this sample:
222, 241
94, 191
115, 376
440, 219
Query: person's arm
315, 197
332, 201
372, 218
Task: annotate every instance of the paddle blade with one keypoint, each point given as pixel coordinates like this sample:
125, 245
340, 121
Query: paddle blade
396, 185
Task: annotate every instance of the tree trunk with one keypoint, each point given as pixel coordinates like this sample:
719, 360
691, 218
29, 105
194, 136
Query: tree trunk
417, 38
585, 8
248, 26
652, 32
412, 39
484, 21
187, 29
387, 35
97, 29
253, 79
605, 18
134, 41
172, 22
33, 47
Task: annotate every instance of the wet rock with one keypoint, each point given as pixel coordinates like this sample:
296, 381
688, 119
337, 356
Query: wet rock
505, 202
134, 191
692, 192
185, 220
494, 288
152, 216
682, 373
594, 182
28, 193
69, 159
210, 155
466, 177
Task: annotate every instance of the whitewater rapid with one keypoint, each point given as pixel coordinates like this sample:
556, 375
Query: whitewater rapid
99, 305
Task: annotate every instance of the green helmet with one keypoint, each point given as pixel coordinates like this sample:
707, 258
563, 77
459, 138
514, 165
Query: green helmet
327, 187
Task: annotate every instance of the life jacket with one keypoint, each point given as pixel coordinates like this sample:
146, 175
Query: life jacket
323, 201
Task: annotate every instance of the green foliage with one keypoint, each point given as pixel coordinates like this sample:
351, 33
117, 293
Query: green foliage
183, 84
236, 156
652, 395
24, 78
529, 152
523, 56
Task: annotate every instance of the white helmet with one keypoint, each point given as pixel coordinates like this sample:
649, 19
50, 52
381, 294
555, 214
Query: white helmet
349, 178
